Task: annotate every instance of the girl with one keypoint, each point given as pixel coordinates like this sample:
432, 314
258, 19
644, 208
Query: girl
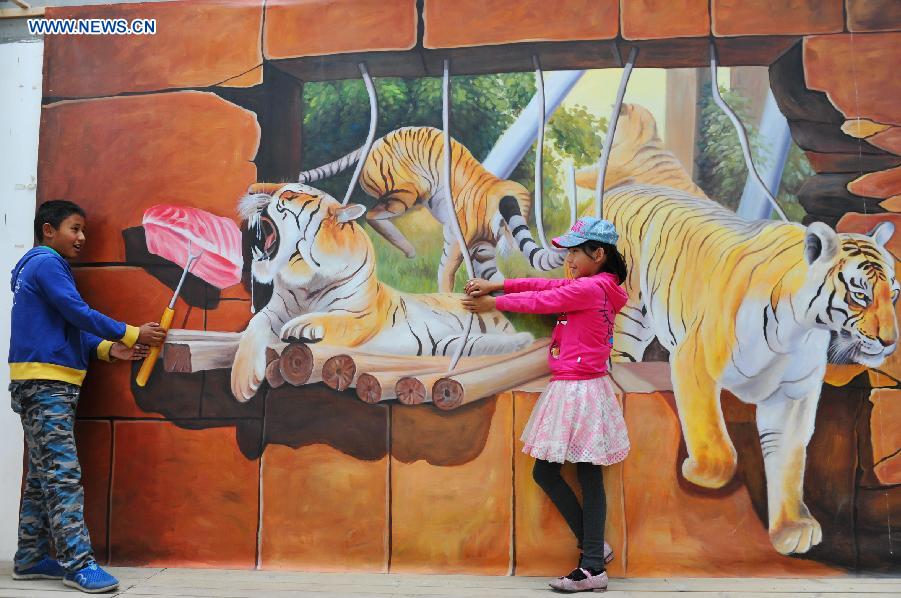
577, 418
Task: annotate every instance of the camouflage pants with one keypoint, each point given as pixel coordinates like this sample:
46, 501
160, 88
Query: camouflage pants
53, 499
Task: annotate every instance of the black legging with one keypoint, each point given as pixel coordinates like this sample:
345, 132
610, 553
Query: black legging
586, 521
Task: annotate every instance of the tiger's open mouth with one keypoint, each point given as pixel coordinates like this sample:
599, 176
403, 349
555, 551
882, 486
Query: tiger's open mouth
266, 240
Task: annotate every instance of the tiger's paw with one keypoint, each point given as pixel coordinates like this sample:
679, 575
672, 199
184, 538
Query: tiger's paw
302, 329
248, 372
709, 473
796, 536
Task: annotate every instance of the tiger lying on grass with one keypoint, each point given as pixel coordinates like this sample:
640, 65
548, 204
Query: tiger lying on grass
322, 268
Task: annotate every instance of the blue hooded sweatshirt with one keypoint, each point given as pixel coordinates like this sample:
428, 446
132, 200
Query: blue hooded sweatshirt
54, 332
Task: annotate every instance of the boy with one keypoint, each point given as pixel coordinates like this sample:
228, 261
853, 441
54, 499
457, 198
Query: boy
54, 334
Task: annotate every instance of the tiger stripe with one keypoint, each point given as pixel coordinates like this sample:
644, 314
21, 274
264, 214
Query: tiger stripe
403, 170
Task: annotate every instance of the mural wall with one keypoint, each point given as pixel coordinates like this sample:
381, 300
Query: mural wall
302, 413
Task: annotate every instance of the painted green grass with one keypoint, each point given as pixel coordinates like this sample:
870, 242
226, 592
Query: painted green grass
420, 274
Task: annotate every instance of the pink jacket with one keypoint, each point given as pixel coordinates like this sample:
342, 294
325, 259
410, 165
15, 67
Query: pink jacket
583, 336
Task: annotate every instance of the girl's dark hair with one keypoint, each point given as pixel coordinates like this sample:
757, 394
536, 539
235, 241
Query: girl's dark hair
614, 264
54, 212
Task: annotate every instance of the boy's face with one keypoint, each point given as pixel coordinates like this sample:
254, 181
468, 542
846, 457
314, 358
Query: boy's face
68, 239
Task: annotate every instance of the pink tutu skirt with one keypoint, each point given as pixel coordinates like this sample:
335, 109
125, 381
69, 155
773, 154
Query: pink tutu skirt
577, 421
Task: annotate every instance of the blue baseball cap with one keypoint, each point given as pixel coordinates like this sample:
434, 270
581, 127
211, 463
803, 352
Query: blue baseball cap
588, 228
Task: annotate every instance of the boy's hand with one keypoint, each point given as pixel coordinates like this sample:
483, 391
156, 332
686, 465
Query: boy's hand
151, 334
120, 351
477, 287
478, 305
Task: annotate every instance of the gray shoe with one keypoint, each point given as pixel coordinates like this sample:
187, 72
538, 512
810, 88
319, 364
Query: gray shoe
587, 583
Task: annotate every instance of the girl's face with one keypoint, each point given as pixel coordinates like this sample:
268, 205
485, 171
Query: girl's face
580, 262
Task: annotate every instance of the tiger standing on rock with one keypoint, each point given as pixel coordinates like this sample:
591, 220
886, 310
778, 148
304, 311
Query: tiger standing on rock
756, 307
321, 264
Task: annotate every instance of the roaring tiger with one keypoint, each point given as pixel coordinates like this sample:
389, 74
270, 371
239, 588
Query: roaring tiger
322, 268
758, 308
404, 169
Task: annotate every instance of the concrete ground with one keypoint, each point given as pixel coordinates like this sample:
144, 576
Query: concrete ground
191, 583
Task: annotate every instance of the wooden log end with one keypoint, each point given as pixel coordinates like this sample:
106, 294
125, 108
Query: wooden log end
271, 355
447, 394
368, 388
274, 374
177, 357
338, 372
296, 364
410, 391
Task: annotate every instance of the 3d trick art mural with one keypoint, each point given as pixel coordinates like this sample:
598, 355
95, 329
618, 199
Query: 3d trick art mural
303, 211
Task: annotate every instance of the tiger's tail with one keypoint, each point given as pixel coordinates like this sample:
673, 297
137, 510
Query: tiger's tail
330, 169
540, 259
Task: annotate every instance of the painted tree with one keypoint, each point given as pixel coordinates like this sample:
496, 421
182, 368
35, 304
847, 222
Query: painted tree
720, 166
336, 120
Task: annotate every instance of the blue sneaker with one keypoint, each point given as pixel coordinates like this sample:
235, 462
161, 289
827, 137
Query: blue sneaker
46, 568
91, 579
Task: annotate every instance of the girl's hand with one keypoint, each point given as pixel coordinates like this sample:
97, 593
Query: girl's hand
478, 305
120, 351
476, 287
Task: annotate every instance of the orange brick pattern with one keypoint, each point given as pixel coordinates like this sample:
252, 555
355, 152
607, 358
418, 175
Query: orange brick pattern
93, 440
190, 148
889, 140
198, 43
463, 23
318, 27
189, 497
882, 184
184, 488
665, 19
678, 530
873, 15
182, 496
853, 71
885, 439
776, 17
455, 519
323, 510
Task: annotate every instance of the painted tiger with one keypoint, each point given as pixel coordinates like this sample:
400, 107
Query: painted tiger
758, 308
404, 170
638, 155
321, 265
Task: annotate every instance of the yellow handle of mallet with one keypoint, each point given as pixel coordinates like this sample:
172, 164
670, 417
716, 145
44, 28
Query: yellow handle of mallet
150, 360
166, 320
